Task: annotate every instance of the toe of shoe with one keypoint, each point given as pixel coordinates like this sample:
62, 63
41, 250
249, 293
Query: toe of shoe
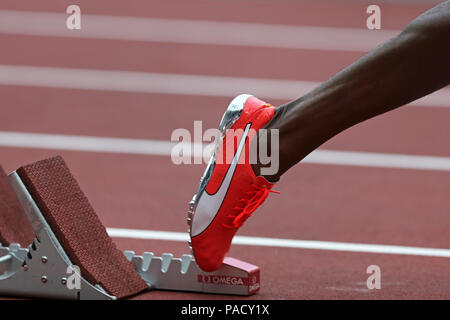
208, 257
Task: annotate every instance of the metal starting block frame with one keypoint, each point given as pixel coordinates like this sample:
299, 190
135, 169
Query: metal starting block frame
41, 270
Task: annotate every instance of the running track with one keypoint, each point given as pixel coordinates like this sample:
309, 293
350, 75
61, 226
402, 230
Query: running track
336, 204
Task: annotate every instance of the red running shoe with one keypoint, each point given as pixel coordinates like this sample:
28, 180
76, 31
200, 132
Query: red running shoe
229, 191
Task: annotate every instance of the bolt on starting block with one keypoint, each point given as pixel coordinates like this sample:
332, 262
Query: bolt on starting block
69, 241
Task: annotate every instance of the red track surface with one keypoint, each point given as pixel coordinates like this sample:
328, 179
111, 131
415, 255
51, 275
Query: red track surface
317, 202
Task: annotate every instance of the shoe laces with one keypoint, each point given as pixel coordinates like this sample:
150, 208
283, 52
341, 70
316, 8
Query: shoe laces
253, 198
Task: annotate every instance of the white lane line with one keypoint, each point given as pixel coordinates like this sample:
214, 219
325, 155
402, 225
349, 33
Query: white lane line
147, 82
379, 160
85, 143
194, 31
287, 243
164, 148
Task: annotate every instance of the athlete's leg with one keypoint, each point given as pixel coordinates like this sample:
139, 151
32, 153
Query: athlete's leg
412, 65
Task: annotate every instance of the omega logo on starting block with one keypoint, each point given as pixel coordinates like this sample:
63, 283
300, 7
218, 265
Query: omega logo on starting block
234, 281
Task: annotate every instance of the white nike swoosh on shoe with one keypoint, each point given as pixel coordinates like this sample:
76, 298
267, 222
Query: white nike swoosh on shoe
208, 205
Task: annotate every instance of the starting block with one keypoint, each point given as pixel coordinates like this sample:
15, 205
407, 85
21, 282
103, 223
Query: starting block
64, 251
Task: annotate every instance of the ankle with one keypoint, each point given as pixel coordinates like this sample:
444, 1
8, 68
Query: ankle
258, 167
275, 122
271, 178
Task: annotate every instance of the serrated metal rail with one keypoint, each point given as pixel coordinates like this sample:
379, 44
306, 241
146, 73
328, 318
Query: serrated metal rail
166, 272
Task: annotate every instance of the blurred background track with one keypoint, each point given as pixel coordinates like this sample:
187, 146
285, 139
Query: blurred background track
140, 69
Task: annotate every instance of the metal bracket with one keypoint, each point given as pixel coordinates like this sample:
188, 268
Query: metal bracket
42, 269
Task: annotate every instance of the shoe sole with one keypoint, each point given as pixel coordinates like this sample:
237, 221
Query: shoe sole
229, 118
